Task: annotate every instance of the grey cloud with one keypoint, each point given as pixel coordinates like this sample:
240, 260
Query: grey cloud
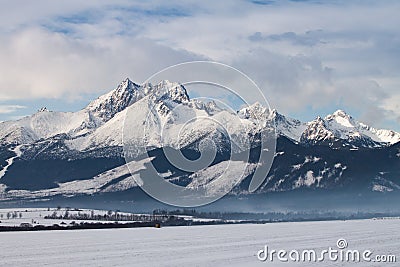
309, 38
291, 83
37, 63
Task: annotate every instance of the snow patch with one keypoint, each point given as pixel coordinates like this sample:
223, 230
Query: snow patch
309, 179
338, 165
10, 161
297, 166
381, 188
221, 176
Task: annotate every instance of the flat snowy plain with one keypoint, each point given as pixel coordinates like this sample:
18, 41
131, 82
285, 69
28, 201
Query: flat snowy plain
220, 245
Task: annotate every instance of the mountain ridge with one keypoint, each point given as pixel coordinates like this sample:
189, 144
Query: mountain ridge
45, 124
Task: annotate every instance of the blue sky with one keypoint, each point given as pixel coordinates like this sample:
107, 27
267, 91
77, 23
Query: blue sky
309, 57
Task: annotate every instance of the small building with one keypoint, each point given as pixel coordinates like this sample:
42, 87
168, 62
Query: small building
25, 225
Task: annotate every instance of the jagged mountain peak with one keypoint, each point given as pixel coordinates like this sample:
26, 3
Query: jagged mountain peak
341, 118
286, 126
341, 113
107, 105
211, 107
166, 90
126, 86
318, 124
254, 111
316, 131
129, 92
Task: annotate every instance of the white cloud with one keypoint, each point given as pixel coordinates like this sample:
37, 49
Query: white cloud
6, 109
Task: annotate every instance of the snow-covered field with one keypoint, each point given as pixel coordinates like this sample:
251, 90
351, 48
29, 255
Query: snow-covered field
221, 245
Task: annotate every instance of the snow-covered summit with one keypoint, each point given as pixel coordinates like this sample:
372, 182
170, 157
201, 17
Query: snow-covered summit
342, 126
317, 131
167, 90
341, 118
128, 92
289, 127
106, 106
255, 111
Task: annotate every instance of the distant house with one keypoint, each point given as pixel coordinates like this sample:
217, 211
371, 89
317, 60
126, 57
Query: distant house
25, 225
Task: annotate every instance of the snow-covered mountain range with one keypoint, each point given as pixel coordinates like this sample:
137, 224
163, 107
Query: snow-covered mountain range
97, 122
50, 153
